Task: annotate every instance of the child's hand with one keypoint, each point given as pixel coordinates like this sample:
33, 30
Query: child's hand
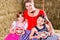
20, 31
43, 34
23, 33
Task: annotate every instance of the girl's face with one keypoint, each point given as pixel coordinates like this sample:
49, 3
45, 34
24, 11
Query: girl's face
40, 21
20, 18
29, 6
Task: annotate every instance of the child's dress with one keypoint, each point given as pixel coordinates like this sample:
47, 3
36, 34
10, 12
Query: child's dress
14, 36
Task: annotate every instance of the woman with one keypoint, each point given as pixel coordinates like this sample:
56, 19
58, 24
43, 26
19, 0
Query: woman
31, 13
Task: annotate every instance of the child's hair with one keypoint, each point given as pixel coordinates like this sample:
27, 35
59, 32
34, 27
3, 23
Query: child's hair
42, 17
18, 15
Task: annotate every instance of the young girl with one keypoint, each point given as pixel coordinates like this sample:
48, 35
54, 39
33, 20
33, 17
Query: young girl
17, 28
42, 31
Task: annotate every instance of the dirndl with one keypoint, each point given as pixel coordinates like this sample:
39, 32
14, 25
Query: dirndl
25, 36
12, 37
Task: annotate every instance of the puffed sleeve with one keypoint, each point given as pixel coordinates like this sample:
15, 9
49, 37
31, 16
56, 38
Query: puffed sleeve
13, 25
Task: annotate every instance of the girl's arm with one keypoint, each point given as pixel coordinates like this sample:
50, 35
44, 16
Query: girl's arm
26, 24
32, 33
12, 28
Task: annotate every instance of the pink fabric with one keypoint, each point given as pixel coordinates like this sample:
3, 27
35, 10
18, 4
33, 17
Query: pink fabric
12, 37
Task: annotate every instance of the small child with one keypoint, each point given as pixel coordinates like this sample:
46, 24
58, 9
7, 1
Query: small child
42, 31
17, 28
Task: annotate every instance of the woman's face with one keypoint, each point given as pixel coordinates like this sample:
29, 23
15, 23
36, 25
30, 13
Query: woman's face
29, 6
40, 21
20, 18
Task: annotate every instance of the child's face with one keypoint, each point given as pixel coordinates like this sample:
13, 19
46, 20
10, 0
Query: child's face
21, 18
40, 21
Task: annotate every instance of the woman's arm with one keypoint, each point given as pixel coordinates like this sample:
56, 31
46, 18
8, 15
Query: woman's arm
32, 33
49, 30
49, 24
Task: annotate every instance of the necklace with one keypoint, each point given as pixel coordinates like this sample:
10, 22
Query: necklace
32, 12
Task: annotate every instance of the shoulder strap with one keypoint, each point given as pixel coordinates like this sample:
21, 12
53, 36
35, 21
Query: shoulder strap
45, 27
37, 28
